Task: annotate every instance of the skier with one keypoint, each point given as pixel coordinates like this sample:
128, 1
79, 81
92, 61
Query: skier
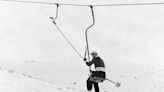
98, 75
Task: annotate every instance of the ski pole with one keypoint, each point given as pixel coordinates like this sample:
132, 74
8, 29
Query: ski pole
117, 84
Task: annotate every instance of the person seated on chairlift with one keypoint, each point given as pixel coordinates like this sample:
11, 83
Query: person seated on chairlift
99, 65
98, 75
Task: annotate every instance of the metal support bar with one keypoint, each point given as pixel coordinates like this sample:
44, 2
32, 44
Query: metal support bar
86, 33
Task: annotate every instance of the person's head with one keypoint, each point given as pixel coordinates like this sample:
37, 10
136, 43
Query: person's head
94, 54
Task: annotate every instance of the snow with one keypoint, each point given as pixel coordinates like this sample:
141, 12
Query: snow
134, 77
14, 82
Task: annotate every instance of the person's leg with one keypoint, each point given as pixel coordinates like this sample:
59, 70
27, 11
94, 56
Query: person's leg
96, 86
89, 85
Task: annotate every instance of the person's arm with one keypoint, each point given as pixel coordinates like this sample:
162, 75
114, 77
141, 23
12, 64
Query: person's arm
91, 62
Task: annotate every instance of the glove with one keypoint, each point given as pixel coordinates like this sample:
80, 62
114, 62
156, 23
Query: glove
85, 59
90, 71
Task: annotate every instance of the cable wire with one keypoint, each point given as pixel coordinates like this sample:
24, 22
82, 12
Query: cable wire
132, 4
64, 36
84, 5
27, 1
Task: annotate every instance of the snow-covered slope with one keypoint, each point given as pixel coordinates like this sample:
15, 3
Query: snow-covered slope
13, 82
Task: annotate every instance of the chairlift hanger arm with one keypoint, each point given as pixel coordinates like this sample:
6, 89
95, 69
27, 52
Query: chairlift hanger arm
57, 8
86, 32
56, 16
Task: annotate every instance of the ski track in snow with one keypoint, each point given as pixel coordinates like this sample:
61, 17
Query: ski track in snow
136, 80
14, 82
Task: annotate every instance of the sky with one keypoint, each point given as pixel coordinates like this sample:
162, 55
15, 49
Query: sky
28, 34
127, 38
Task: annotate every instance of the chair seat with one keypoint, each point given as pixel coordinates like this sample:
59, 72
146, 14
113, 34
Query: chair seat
97, 79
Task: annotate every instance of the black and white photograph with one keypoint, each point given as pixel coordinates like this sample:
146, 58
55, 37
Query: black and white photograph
81, 46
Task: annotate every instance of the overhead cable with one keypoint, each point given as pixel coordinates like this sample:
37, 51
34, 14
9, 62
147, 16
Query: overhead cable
85, 5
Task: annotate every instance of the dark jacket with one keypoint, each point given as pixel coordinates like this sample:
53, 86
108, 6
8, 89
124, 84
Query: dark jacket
97, 61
